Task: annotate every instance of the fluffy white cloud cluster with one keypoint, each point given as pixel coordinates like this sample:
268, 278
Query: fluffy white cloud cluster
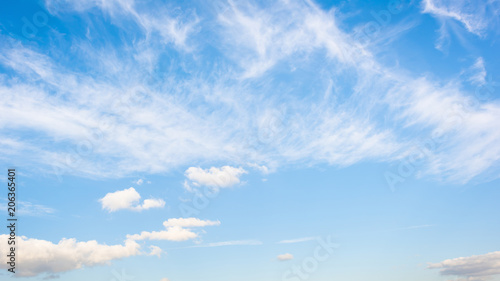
128, 199
39, 256
473, 268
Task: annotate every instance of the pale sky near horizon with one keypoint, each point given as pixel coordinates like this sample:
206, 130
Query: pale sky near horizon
252, 140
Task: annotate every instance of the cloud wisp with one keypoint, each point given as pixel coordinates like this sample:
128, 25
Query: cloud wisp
297, 240
175, 230
229, 243
123, 118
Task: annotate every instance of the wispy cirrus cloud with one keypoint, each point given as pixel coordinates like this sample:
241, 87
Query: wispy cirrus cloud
330, 100
462, 11
230, 243
479, 17
154, 20
478, 72
189, 222
26, 208
297, 240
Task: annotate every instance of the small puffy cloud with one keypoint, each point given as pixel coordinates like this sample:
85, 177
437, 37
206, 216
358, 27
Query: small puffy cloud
151, 203
122, 199
139, 181
128, 199
189, 222
155, 251
285, 257
41, 256
477, 268
175, 230
225, 176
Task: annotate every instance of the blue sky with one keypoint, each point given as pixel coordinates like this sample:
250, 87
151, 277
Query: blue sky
228, 140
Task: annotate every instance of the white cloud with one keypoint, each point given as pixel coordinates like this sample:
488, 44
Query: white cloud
478, 72
457, 10
122, 199
455, 120
225, 176
139, 181
264, 36
159, 21
117, 116
30, 209
155, 251
128, 199
478, 18
262, 168
473, 268
171, 234
285, 257
189, 222
151, 203
176, 230
41, 256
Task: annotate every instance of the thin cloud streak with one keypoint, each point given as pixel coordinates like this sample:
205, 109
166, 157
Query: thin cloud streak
229, 243
297, 240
